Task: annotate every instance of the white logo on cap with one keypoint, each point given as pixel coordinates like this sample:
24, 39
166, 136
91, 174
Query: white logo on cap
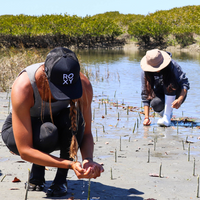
67, 78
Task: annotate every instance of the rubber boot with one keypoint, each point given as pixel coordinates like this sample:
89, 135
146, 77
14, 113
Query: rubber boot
166, 119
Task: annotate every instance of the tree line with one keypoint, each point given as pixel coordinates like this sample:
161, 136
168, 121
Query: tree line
175, 26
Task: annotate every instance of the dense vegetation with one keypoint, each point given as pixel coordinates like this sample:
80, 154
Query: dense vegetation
175, 26
179, 23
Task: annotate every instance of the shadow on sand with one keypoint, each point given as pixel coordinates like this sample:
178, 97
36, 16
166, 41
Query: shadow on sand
79, 190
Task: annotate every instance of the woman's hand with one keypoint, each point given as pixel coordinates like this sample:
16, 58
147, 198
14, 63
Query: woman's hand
93, 169
89, 169
146, 122
176, 103
79, 171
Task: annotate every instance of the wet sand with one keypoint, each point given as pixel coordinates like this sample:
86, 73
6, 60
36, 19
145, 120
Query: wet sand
129, 172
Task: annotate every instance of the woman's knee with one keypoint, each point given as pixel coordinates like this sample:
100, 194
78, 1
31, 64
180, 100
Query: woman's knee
8, 136
157, 104
46, 139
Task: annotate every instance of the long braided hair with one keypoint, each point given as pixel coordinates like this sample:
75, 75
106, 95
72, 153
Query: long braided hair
74, 120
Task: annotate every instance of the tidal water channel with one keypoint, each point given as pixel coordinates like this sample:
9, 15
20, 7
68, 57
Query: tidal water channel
115, 77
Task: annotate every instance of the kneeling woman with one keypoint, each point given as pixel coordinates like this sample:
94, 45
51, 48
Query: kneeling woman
51, 110
164, 85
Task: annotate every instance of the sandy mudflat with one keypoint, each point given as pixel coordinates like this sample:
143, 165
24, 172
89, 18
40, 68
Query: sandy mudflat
131, 176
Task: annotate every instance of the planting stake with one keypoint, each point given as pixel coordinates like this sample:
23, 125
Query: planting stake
105, 109
183, 145
96, 136
177, 127
127, 110
134, 127
194, 168
8, 105
139, 116
111, 175
160, 170
189, 152
103, 129
120, 144
89, 182
115, 94
3, 178
198, 186
93, 113
148, 156
115, 155
26, 194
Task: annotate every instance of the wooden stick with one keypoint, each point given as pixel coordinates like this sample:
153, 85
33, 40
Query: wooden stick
139, 116
8, 105
127, 110
103, 129
177, 127
96, 135
154, 141
115, 155
198, 186
3, 178
148, 156
27, 186
183, 145
160, 170
134, 127
194, 168
120, 144
93, 113
189, 152
89, 183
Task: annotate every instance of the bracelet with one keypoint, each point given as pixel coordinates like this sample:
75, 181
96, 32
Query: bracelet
146, 118
90, 159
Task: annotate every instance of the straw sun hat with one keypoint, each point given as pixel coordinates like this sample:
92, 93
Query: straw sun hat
155, 60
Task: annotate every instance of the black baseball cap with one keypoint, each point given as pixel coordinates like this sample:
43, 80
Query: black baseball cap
63, 73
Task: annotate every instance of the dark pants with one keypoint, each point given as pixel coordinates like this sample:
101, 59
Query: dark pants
47, 137
158, 102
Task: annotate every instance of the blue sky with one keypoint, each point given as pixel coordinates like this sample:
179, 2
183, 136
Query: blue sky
89, 7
